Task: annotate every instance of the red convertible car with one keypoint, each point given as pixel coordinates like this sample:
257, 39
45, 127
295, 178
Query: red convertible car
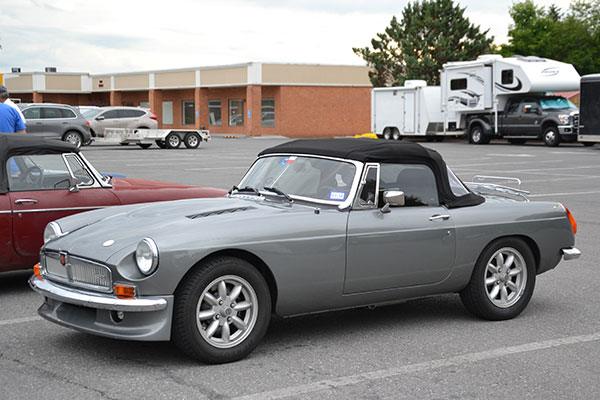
42, 180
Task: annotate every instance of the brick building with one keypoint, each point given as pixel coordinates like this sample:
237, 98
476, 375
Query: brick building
295, 100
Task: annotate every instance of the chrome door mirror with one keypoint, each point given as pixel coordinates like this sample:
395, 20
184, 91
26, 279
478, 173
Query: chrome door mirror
395, 198
74, 187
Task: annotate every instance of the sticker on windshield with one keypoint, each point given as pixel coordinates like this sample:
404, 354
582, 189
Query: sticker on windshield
337, 195
288, 160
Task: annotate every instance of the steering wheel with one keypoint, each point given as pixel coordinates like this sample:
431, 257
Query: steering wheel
33, 175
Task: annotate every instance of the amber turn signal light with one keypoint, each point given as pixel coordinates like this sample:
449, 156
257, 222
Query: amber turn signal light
124, 291
572, 221
37, 271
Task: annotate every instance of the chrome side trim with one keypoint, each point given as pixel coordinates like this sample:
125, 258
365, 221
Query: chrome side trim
58, 209
570, 253
5, 212
93, 300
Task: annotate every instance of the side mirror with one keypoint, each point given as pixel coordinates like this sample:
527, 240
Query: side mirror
73, 187
100, 118
395, 198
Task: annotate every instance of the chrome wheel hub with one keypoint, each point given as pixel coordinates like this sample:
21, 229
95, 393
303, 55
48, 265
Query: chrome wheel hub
505, 277
227, 311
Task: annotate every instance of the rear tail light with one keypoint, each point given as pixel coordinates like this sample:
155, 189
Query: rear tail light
152, 115
87, 123
571, 220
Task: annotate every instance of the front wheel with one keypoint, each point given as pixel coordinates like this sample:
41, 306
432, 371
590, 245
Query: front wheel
74, 138
476, 135
387, 133
173, 140
222, 311
502, 282
551, 136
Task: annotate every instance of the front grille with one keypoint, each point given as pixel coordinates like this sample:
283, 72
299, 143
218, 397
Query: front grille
575, 121
77, 271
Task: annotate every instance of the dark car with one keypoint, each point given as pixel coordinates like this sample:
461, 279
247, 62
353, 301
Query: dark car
56, 121
42, 180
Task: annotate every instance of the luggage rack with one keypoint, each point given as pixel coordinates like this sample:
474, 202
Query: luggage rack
481, 185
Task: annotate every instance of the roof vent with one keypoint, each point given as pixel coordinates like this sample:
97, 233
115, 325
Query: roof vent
50, 69
15, 70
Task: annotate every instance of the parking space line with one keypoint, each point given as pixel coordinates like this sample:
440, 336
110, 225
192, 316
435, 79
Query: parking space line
562, 194
20, 320
504, 163
328, 384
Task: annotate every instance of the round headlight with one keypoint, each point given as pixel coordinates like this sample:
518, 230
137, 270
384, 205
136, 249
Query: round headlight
52, 231
146, 256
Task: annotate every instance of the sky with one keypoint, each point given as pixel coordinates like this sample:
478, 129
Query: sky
130, 35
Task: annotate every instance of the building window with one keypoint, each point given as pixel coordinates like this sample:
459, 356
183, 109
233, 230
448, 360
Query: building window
267, 112
167, 113
214, 112
458, 84
507, 76
236, 112
127, 103
145, 104
188, 108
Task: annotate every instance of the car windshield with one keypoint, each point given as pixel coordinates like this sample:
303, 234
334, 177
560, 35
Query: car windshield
302, 176
90, 112
556, 103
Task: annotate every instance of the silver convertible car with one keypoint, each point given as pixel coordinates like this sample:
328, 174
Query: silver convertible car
314, 225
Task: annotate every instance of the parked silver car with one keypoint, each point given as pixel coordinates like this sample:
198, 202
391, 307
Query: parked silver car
314, 225
58, 121
121, 117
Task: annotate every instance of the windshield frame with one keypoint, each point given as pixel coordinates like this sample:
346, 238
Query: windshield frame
341, 205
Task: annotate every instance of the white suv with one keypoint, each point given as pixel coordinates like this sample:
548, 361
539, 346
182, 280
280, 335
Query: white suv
121, 117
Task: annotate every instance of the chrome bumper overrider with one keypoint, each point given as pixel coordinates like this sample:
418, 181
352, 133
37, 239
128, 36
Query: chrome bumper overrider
570, 253
92, 300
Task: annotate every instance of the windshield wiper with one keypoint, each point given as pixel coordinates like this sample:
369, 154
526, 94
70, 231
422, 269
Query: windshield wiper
244, 189
279, 192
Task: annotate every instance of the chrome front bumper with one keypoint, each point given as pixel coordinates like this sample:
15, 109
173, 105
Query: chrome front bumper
100, 301
570, 253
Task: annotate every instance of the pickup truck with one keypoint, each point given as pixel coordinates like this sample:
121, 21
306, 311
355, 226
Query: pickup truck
553, 119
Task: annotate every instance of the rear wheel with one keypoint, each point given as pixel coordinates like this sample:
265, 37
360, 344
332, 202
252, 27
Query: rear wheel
192, 140
502, 281
74, 138
144, 145
222, 311
396, 134
173, 140
161, 143
551, 136
476, 135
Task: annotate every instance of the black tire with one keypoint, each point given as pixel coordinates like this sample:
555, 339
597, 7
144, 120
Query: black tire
439, 139
73, 137
124, 144
192, 140
172, 140
477, 136
194, 335
161, 144
517, 141
387, 133
551, 136
588, 144
144, 145
484, 304
396, 134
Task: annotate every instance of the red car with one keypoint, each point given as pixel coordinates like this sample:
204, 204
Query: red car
42, 180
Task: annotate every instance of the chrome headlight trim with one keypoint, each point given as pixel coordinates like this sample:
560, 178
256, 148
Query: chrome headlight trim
146, 256
52, 231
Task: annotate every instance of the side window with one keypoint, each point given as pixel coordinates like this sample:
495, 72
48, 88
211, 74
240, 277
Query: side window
513, 108
368, 188
32, 113
51, 113
111, 114
81, 174
130, 113
507, 76
527, 107
458, 84
415, 180
66, 113
38, 172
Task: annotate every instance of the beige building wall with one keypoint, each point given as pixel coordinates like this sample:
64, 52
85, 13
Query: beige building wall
23, 82
175, 79
315, 74
63, 82
141, 81
224, 76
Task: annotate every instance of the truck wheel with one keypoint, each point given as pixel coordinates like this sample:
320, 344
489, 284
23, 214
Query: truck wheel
551, 136
222, 311
192, 140
396, 134
476, 135
387, 133
173, 140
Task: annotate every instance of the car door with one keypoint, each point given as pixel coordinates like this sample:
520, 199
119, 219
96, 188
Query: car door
130, 118
407, 246
107, 119
53, 122
33, 120
39, 192
530, 117
511, 119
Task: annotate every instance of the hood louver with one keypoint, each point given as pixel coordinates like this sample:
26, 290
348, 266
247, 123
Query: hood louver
219, 212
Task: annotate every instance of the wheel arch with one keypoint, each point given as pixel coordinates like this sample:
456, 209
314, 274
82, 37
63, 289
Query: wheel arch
247, 256
549, 123
533, 246
487, 127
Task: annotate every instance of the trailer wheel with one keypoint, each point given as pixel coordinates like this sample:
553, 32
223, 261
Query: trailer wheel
476, 135
551, 136
192, 140
173, 140
387, 133
144, 145
396, 134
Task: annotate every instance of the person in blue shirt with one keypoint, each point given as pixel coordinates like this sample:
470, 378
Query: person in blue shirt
10, 120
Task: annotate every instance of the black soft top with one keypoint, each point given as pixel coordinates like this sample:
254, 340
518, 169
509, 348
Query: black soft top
16, 144
369, 150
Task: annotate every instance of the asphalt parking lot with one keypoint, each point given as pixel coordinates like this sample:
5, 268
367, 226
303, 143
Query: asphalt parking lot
427, 348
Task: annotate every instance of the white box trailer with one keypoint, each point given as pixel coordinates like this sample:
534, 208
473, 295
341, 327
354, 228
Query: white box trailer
409, 110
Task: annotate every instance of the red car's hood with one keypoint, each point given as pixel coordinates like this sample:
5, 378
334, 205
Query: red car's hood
128, 183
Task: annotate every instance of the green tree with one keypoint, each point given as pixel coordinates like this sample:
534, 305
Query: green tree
431, 33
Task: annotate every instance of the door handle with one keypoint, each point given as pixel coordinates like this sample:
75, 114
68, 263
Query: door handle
438, 217
22, 201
